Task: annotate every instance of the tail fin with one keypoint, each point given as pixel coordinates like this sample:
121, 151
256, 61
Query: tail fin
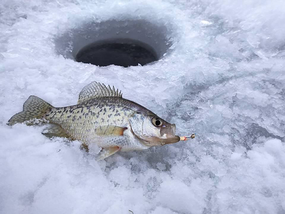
33, 108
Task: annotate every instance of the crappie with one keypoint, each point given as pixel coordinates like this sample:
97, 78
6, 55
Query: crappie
103, 117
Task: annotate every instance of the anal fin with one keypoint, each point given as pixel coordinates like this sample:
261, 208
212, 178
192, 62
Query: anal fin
54, 130
107, 152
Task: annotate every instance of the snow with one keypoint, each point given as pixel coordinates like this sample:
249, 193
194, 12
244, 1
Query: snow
223, 79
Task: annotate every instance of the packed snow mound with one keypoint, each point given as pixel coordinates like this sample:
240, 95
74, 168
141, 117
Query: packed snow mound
222, 77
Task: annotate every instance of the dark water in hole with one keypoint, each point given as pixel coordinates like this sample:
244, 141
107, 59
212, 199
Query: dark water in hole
117, 53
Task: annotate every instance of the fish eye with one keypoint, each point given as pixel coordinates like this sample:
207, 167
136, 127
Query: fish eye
156, 122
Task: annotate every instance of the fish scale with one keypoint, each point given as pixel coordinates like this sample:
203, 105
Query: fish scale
91, 117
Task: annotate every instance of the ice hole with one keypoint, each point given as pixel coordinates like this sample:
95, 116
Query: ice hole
117, 52
115, 42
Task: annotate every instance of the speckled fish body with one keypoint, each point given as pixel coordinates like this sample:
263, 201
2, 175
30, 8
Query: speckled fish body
91, 120
103, 117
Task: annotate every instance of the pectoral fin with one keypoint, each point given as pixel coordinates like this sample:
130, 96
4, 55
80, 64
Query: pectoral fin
110, 131
107, 152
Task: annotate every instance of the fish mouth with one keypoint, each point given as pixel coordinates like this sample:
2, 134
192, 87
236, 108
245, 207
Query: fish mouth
156, 141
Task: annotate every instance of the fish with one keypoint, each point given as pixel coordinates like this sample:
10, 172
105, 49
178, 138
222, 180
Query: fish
101, 116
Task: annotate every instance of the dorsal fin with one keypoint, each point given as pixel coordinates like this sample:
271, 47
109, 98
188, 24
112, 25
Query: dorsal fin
95, 90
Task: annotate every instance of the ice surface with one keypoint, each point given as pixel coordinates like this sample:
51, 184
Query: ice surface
223, 80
